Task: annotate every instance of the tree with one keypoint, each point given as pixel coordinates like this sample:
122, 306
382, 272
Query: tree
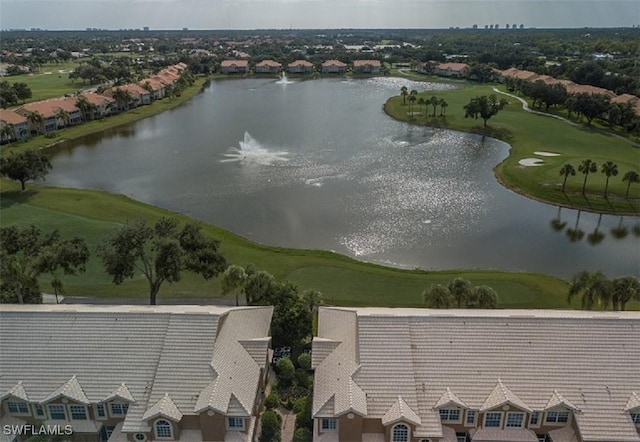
30, 165
566, 171
233, 280
26, 254
630, 177
122, 97
304, 361
438, 296
7, 133
593, 287
63, 117
36, 119
404, 92
286, 372
22, 91
302, 434
433, 101
625, 289
484, 107
87, 108
486, 297
258, 286
443, 107
161, 253
413, 97
586, 168
609, 169
313, 299
421, 102
270, 427
591, 105
459, 289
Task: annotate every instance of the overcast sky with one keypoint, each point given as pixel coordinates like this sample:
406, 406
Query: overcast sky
305, 14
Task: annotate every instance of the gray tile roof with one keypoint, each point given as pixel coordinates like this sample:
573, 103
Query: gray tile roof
165, 407
506, 435
564, 434
91, 354
17, 391
528, 358
400, 410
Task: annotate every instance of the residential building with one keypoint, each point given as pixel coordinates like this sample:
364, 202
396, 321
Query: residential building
154, 86
333, 67
102, 105
454, 70
420, 375
300, 67
267, 67
632, 100
134, 373
367, 67
20, 127
49, 121
234, 66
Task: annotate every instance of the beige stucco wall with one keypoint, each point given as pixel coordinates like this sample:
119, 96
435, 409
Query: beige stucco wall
350, 429
213, 427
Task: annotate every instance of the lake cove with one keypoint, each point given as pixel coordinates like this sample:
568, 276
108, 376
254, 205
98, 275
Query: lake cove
317, 164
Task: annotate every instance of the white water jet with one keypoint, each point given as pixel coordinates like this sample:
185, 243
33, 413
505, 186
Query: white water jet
284, 79
251, 151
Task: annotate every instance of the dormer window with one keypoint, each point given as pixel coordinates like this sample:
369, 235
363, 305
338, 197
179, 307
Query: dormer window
556, 417
163, 429
119, 409
450, 415
635, 418
57, 412
18, 408
400, 433
78, 412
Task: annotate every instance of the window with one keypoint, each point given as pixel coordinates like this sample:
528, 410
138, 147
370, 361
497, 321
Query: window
534, 419
635, 417
450, 415
471, 417
100, 411
541, 437
57, 412
461, 438
163, 430
515, 420
400, 433
557, 417
329, 424
38, 410
493, 420
140, 437
235, 423
15, 407
119, 409
78, 412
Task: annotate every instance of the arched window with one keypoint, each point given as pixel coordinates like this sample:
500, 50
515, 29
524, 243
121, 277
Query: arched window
164, 429
400, 433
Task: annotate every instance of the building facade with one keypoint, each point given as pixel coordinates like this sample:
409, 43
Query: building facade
419, 375
134, 374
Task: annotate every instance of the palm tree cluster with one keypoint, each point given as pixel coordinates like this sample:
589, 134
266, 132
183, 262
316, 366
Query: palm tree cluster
596, 290
414, 98
460, 294
609, 169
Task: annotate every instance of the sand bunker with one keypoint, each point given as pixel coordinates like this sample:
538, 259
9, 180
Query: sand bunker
528, 162
547, 154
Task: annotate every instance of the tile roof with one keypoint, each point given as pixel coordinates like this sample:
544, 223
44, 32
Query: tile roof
506, 435
633, 402
501, 395
564, 434
557, 400
121, 392
97, 99
357, 63
11, 117
449, 434
238, 63
400, 410
303, 63
17, 391
165, 407
589, 358
334, 63
452, 66
86, 353
448, 398
270, 63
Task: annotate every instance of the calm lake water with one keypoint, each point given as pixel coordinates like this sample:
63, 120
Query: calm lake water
317, 164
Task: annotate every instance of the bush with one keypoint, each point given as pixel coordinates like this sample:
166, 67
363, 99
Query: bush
303, 379
302, 408
272, 401
302, 435
304, 361
271, 422
286, 372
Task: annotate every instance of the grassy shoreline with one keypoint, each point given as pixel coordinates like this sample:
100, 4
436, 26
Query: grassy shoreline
528, 133
342, 280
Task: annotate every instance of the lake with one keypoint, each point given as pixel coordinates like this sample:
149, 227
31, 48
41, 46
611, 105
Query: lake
317, 164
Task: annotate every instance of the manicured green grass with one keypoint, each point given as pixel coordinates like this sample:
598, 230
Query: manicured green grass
106, 124
527, 133
343, 281
50, 82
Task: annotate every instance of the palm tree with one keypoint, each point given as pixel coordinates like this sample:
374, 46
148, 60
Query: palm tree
122, 97
566, 171
313, 299
486, 297
37, 120
86, 107
433, 101
8, 133
233, 280
404, 93
609, 169
443, 106
594, 287
586, 168
460, 289
630, 177
421, 103
63, 117
412, 99
625, 289
438, 296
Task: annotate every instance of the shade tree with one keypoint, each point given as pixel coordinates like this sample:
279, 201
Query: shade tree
30, 165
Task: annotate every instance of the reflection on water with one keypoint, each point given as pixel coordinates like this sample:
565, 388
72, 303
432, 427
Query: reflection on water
317, 164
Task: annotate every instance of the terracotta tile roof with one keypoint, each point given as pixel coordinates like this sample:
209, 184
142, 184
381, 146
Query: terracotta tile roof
452, 66
238, 63
133, 89
374, 63
11, 117
270, 63
303, 63
155, 84
97, 99
419, 353
337, 63
42, 107
588, 89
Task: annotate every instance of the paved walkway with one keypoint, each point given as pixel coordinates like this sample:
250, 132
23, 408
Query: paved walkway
288, 424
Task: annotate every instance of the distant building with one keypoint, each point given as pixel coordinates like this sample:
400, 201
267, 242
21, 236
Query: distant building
19, 127
333, 67
454, 70
267, 67
300, 67
367, 67
234, 66
415, 375
143, 373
